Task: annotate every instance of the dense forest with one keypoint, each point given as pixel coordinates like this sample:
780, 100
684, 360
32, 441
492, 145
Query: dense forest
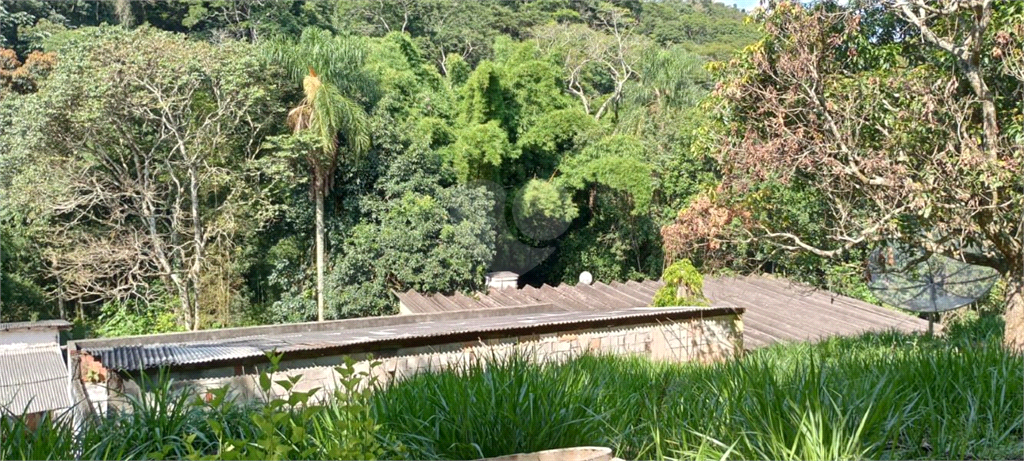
199, 164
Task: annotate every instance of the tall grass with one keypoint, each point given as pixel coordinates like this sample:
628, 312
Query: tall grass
173, 423
167, 423
878, 396
510, 407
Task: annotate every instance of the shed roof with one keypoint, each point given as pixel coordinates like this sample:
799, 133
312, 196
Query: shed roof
33, 378
365, 334
56, 324
776, 309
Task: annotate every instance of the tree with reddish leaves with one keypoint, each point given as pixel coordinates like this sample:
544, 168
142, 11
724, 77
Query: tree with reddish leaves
903, 119
23, 78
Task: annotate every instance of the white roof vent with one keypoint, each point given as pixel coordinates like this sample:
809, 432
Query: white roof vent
586, 278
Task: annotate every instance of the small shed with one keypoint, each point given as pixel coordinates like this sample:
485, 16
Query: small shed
34, 376
38, 332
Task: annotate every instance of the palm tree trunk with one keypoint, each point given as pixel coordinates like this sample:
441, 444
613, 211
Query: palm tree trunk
319, 193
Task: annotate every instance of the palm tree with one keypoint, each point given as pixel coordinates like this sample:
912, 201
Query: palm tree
329, 116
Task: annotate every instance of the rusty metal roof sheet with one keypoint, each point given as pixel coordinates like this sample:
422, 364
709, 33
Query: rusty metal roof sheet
147, 352
33, 378
775, 309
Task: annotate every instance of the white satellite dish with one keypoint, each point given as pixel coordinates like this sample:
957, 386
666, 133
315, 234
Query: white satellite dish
586, 278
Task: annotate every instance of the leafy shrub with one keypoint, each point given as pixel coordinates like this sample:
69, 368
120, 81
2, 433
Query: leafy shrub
967, 326
295, 427
136, 317
681, 274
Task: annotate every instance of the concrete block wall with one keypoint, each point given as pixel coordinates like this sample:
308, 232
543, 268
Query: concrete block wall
702, 340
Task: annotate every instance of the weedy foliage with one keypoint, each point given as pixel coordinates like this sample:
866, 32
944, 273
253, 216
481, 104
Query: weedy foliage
171, 422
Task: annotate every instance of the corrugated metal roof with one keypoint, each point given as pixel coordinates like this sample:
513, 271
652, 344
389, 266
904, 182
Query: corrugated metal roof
775, 309
581, 297
56, 324
33, 379
138, 356
151, 356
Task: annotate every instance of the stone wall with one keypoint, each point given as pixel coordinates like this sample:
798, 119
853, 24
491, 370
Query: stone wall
702, 340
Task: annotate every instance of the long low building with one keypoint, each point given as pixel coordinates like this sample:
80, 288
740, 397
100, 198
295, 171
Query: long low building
108, 369
775, 309
439, 331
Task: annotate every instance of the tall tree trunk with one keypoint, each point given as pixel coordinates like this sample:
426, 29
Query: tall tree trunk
186, 302
60, 299
194, 281
199, 241
319, 193
124, 13
1013, 336
988, 108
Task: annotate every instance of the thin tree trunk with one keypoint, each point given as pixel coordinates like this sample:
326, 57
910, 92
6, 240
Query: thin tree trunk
60, 299
988, 108
1013, 335
195, 302
319, 193
186, 301
124, 13
198, 253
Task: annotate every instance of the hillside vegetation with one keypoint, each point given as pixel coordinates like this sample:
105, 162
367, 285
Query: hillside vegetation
196, 164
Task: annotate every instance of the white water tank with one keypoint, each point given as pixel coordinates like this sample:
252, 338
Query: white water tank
502, 280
